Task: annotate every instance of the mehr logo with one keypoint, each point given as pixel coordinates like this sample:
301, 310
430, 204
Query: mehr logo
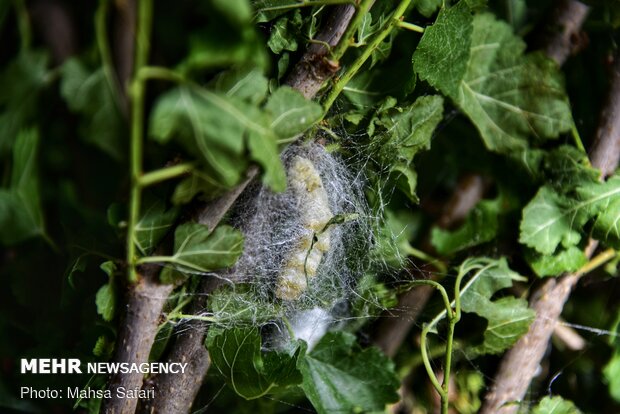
51, 366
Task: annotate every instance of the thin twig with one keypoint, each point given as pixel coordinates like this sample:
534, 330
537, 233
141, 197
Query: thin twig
520, 364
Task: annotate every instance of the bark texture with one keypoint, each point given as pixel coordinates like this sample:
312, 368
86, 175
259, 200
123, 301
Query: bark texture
145, 301
314, 68
564, 38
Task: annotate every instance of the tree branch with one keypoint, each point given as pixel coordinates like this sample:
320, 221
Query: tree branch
145, 301
314, 68
520, 364
561, 39
605, 152
188, 348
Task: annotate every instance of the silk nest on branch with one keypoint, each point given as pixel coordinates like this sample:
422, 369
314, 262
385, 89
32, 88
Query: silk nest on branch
305, 251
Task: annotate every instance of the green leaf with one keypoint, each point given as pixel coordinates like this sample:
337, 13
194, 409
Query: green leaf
216, 127
207, 125
22, 81
229, 39
393, 241
251, 372
239, 305
567, 168
508, 95
362, 93
284, 32
369, 87
247, 83
427, 7
291, 113
611, 371
548, 220
410, 129
612, 376
170, 276
21, 216
90, 95
264, 150
266, 10
508, 318
551, 218
567, 260
155, 222
555, 405
607, 224
443, 54
405, 132
236, 11
198, 183
406, 179
78, 266
106, 298
372, 23
103, 348
108, 267
106, 302
338, 376
480, 226
196, 249
366, 30
602, 202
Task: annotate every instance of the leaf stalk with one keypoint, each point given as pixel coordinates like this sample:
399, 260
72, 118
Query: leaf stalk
166, 173
597, 261
410, 26
160, 73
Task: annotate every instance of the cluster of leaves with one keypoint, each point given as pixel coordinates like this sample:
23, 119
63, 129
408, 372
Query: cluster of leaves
334, 375
466, 96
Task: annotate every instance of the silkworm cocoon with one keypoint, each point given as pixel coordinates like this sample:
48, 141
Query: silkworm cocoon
302, 247
303, 261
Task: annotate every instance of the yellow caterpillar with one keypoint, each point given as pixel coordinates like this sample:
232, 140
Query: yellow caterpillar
303, 262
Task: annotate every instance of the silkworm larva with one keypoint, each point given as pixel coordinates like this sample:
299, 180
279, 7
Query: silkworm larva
304, 259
